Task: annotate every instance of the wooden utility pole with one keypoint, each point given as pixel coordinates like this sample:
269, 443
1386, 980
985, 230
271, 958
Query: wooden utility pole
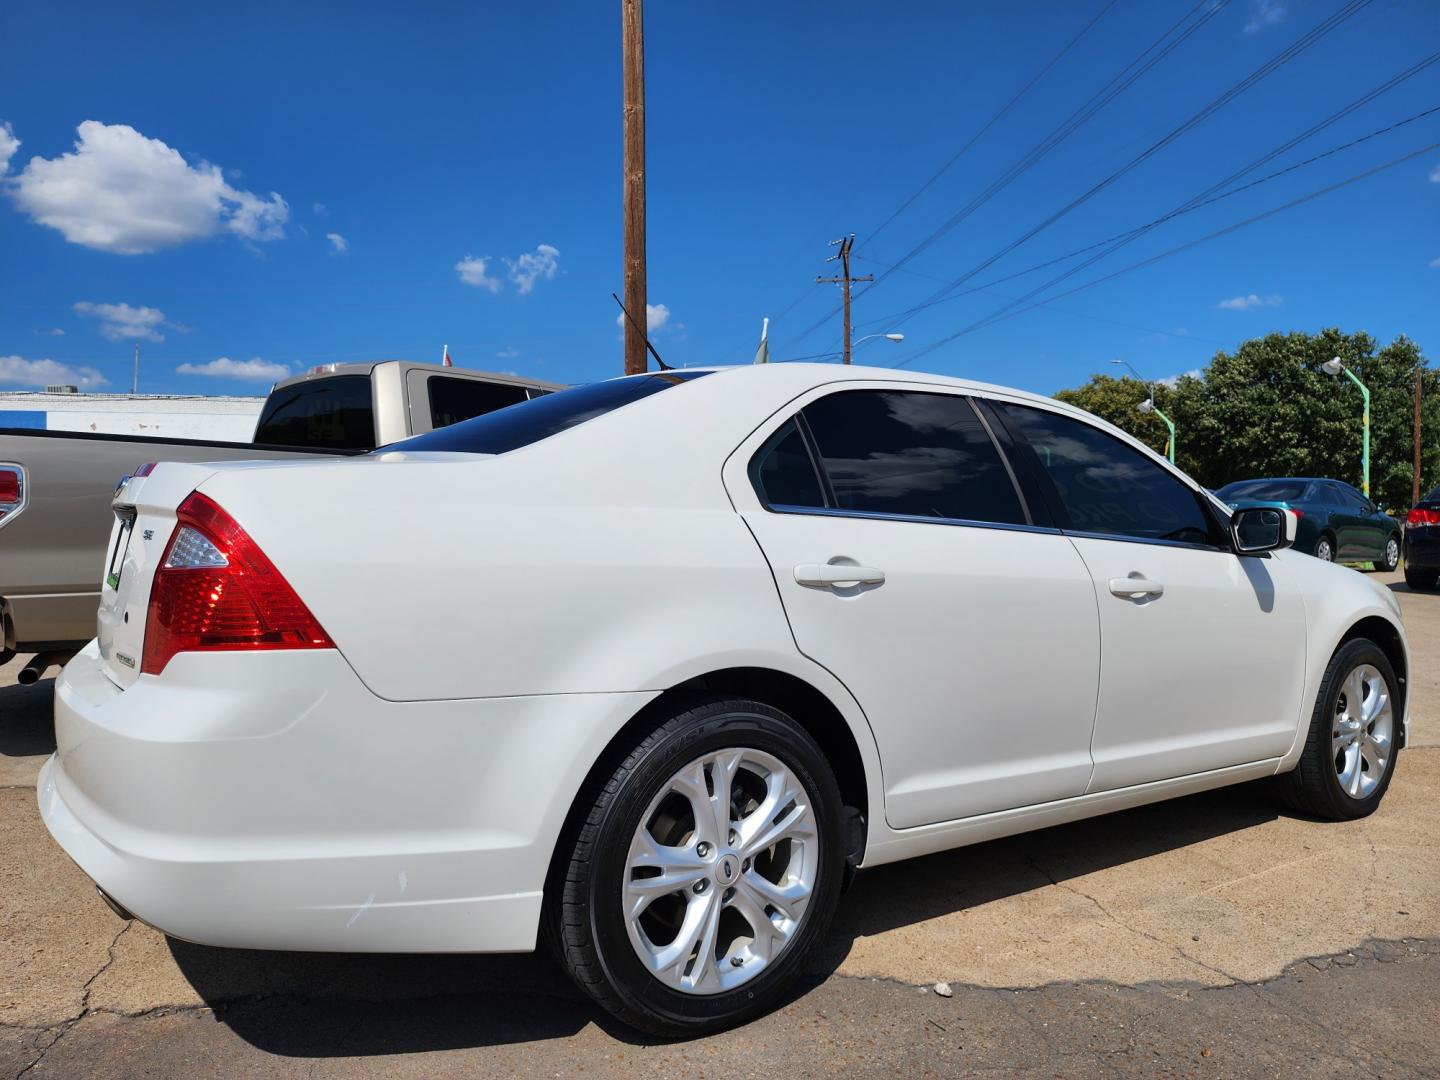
844, 280
1415, 483
633, 43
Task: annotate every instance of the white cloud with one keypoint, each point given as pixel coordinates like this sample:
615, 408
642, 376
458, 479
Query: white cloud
472, 272
254, 369
54, 331
507, 353
1173, 381
321, 210
656, 316
120, 322
1264, 14
15, 371
338, 243
1434, 263
8, 145
1245, 303
533, 266
124, 193
1434, 175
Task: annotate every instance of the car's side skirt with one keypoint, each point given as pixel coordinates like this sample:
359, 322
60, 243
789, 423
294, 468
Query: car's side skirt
891, 845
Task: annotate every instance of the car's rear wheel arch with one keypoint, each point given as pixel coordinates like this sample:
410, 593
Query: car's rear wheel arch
807, 706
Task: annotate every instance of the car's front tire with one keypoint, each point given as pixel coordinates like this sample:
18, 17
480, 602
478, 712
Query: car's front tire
705, 870
1354, 738
1325, 548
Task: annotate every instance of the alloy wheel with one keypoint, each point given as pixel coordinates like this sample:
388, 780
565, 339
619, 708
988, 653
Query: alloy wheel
1323, 551
1392, 553
1363, 731
721, 871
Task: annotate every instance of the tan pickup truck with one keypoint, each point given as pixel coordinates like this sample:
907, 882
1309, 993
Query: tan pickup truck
56, 486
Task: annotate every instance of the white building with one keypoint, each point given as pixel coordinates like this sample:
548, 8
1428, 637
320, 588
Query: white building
166, 416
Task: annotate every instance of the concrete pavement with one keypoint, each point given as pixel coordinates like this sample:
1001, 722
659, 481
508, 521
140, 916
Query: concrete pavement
1207, 936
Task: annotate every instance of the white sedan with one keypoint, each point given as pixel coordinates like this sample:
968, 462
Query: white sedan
652, 666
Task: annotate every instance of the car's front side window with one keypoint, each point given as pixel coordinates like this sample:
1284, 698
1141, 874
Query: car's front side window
1106, 487
911, 454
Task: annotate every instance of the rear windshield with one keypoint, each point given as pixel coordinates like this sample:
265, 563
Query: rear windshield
1273, 490
539, 418
335, 413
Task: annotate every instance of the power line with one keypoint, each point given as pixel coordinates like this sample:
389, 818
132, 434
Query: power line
992, 121
1198, 202
1280, 59
1030, 305
1117, 85
1204, 197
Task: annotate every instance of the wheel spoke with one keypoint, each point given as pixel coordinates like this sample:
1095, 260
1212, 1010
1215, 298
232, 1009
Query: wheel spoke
1377, 703
1354, 694
797, 824
767, 937
704, 973
669, 961
789, 900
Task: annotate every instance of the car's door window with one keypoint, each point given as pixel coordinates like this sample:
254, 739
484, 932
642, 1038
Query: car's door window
911, 454
1106, 487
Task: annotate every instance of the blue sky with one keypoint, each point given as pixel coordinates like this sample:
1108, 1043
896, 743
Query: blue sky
180, 175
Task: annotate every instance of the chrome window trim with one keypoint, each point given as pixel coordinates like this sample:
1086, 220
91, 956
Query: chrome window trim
1154, 541
911, 519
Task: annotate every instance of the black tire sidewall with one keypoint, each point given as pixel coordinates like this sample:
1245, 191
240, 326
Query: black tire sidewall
710, 727
1320, 748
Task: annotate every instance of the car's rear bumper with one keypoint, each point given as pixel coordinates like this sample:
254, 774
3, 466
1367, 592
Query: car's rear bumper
1422, 548
271, 801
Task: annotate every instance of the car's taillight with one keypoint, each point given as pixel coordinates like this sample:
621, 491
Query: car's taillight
1298, 513
12, 490
146, 469
1422, 516
215, 589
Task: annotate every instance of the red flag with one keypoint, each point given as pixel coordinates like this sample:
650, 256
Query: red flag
446, 358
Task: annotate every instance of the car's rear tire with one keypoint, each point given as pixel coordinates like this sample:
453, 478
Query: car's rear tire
1354, 738
1325, 548
673, 962
1420, 580
1391, 559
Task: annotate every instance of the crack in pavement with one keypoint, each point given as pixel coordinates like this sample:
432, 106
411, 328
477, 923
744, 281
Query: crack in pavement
62, 1027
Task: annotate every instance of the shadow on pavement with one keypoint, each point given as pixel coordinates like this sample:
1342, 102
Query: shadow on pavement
328, 1005
27, 724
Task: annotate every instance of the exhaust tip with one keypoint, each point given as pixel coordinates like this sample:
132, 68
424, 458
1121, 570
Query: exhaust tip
114, 905
40, 663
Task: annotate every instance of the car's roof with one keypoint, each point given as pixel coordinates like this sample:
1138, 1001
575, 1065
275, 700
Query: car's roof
810, 374
1285, 480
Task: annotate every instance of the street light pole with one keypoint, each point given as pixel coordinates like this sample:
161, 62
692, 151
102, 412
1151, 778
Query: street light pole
1334, 366
1149, 406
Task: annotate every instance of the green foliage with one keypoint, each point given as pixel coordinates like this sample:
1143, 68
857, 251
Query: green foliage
1268, 410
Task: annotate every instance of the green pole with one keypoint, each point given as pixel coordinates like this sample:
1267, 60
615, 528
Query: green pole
1365, 451
1171, 425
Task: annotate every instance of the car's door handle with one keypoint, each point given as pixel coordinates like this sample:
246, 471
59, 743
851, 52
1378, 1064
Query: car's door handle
838, 574
1131, 587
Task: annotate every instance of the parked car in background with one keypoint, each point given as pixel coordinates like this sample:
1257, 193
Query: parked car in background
1336, 521
56, 486
650, 666
1422, 543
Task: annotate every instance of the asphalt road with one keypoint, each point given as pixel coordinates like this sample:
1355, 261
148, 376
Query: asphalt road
1210, 936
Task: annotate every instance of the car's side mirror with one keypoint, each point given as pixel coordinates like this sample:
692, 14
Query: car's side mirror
1262, 528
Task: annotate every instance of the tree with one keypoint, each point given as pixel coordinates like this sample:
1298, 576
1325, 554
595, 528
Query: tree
1268, 410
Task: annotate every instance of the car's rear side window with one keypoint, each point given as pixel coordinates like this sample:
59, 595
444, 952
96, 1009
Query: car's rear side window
541, 417
453, 400
1105, 486
911, 454
336, 413
784, 472
1277, 490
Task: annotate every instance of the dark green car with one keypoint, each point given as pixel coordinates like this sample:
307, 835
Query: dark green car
1336, 521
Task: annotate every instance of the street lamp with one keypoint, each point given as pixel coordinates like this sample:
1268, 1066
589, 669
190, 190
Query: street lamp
1149, 406
1334, 366
897, 338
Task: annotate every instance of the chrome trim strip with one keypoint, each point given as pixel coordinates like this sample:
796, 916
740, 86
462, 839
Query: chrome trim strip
914, 519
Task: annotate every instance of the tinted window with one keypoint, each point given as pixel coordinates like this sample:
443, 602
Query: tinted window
1106, 486
539, 418
453, 400
899, 452
1271, 490
1351, 499
336, 413
783, 471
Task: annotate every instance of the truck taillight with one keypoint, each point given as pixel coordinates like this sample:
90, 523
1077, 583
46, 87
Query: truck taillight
216, 590
12, 490
1422, 516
